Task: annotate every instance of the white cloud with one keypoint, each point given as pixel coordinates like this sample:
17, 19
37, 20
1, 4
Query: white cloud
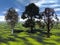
50, 1
17, 9
2, 18
57, 9
39, 3
27, 2
55, 5
34, 1
21, 20
59, 18
23, 2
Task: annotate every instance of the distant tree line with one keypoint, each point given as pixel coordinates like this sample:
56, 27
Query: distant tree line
31, 13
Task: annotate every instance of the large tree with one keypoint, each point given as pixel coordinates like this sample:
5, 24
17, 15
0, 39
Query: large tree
48, 15
11, 18
31, 12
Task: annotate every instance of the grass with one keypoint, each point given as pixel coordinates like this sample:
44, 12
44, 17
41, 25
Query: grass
25, 38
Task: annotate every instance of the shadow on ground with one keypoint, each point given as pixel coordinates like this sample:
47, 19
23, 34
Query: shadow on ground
18, 31
39, 37
6, 40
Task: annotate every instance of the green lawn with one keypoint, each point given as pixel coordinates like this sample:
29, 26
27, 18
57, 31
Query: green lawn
25, 38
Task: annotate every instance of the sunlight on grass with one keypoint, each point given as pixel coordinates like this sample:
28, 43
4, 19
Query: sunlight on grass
25, 38
33, 41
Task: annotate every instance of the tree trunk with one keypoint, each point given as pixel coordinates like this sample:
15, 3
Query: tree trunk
48, 32
31, 25
31, 29
12, 31
48, 29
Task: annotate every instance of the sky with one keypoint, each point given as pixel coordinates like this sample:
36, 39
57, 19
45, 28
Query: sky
19, 6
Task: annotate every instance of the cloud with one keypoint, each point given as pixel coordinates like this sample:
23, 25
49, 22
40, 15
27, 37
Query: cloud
17, 10
23, 2
27, 2
34, 1
59, 18
52, 6
39, 3
55, 5
57, 9
2, 18
21, 20
50, 1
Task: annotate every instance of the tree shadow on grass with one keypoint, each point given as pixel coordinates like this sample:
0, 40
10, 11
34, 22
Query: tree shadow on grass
6, 40
58, 34
33, 31
41, 39
23, 39
57, 39
38, 38
18, 31
42, 32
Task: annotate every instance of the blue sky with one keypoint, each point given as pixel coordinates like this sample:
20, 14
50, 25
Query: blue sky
19, 5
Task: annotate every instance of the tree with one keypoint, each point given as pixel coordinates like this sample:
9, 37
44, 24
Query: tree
48, 15
31, 12
11, 18
40, 21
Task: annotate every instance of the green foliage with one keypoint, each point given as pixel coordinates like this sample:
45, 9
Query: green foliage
29, 23
32, 9
11, 17
31, 12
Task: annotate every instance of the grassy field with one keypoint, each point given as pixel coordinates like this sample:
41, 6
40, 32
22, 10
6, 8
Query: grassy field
25, 38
